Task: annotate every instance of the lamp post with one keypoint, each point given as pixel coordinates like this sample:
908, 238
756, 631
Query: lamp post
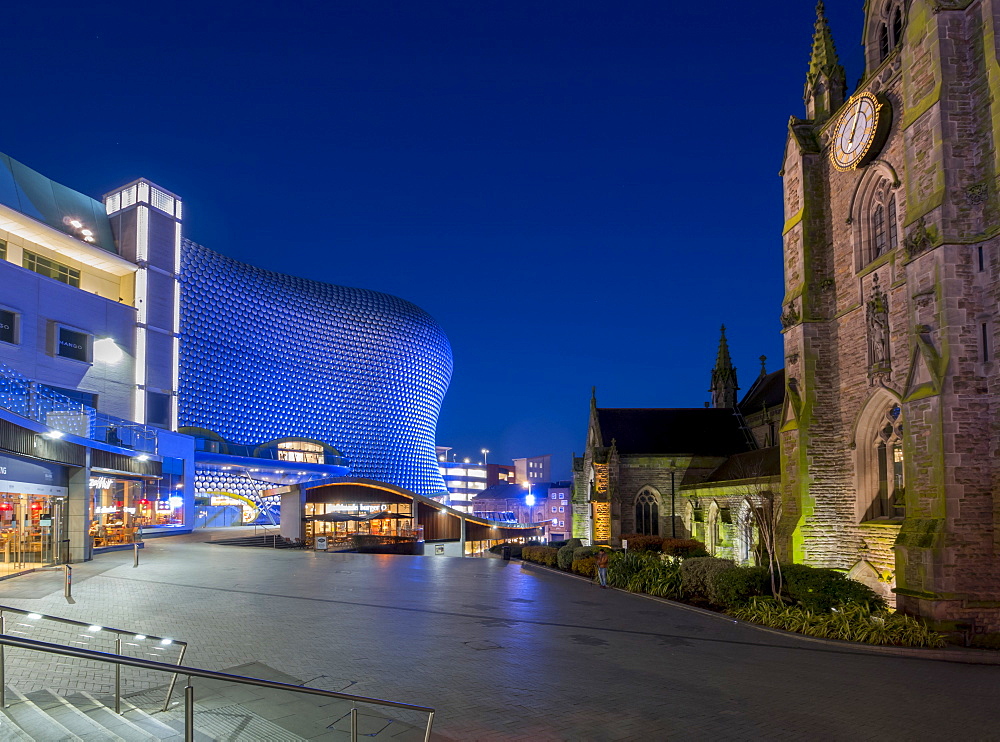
484, 452
673, 519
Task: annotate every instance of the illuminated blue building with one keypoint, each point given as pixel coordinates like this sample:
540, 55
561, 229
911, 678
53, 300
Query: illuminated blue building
267, 357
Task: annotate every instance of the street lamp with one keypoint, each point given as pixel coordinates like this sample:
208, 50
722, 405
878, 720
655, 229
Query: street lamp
484, 452
673, 519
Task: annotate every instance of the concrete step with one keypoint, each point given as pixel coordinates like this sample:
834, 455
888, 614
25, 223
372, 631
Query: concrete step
72, 716
34, 721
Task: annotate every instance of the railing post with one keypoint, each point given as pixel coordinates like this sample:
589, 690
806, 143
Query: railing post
3, 674
354, 724
430, 723
68, 581
135, 548
118, 675
188, 712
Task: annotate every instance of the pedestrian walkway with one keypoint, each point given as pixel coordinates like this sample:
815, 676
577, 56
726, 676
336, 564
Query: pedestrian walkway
509, 654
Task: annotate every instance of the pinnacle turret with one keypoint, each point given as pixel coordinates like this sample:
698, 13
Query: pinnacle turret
724, 386
825, 81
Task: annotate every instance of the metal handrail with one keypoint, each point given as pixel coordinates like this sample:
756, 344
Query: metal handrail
90, 654
34, 615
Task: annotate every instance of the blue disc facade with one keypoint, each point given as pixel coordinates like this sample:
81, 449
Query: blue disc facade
265, 356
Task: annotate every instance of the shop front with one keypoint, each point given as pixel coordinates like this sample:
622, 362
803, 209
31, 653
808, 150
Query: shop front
33, 514
121, 506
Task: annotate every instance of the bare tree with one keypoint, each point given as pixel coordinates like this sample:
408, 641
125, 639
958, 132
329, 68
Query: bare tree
761, 523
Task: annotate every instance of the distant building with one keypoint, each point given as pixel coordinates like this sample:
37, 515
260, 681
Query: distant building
534, 469
548, 503
500, 474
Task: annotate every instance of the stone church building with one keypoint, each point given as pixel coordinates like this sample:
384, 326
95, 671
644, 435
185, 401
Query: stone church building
889, 429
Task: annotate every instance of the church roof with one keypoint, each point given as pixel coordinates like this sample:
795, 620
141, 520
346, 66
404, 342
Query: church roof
764, 462
702, 431
767, 391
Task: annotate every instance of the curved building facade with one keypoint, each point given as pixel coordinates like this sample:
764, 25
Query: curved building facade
266, 356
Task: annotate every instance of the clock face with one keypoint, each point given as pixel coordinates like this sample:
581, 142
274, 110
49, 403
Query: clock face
856, 131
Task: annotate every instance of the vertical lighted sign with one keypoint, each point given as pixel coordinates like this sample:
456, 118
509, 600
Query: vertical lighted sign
602, 522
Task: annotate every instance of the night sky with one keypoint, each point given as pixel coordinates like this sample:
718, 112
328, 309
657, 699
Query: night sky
580, 193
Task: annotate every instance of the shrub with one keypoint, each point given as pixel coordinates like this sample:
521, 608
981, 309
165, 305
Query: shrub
853, 622
557, 544
820, 590
697, 574
586, 567
565, 556
515, 549
574, 542
986, 641
736, 586
640, 542
684, 547
644, 572
540, 555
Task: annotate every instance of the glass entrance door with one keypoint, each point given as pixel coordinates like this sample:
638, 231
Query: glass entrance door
28, 527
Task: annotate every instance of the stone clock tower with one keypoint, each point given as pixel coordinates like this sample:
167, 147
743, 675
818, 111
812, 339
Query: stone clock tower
891, 430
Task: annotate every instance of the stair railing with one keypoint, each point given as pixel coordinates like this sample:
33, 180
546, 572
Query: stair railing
120, 635
190, 672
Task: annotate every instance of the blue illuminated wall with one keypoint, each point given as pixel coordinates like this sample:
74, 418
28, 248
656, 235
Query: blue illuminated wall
266, 356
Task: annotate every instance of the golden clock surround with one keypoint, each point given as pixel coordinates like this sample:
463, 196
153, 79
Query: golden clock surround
875, 132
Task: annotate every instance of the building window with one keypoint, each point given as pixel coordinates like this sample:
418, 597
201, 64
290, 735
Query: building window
301, 451
158, 409
74, 345
8, 326
554, 495
553, 508
3, 249
647, 515
875, 216
878, 231
893, 225
890, 30
51, 268
887, 464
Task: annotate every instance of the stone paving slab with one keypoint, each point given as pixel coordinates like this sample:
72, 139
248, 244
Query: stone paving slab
505, 654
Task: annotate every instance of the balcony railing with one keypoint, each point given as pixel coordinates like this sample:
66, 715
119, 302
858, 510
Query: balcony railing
39, 402
272, 452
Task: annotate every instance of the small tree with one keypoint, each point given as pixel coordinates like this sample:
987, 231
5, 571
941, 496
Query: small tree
762, 520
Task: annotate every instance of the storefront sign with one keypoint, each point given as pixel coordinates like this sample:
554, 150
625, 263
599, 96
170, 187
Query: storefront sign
7, 327
103, 510
73, 344
15, 473
101, 483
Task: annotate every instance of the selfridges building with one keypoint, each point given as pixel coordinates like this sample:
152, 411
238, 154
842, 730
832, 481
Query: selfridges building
141, 373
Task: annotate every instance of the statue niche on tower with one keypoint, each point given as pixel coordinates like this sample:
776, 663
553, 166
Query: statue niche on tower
877, 320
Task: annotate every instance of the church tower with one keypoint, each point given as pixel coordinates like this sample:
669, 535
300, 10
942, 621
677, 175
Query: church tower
724, 386
890, 443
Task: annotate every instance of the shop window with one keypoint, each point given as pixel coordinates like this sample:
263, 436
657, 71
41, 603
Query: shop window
75, 345
301, 451
8, 326
51, 269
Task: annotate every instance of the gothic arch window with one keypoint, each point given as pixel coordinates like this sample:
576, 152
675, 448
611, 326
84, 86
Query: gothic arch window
888, 22
881, 460
647, 513
875, 215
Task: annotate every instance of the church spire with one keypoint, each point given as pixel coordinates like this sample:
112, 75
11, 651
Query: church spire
825, 81
724, 385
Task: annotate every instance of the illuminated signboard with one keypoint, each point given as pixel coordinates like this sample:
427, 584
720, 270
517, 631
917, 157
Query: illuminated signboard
602, 521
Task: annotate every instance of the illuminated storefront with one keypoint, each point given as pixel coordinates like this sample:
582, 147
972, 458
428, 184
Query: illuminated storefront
121, 506
32, 513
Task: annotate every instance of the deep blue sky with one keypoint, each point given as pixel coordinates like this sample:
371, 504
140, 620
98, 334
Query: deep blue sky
579, 192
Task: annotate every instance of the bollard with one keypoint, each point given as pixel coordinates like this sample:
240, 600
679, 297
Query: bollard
354, 724
68, 582
3, 672
135, 548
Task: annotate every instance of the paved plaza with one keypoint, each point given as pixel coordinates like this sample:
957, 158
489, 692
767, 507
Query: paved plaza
505, 653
